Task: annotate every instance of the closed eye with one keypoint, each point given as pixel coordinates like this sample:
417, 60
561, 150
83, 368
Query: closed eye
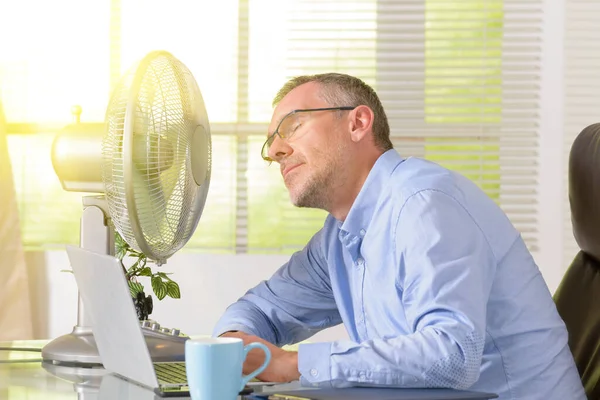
294, 129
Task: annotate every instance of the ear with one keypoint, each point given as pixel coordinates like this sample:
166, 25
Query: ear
361, 123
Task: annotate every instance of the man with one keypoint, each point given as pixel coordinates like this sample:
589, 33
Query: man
434, 285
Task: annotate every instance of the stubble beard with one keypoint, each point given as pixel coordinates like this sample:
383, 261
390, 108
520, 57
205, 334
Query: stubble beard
318, 189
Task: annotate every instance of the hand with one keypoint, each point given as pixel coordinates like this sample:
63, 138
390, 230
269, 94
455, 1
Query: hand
283, 366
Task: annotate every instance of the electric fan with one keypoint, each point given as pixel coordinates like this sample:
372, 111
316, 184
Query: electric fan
151, 163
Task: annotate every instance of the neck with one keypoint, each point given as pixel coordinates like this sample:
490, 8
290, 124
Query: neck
345, 194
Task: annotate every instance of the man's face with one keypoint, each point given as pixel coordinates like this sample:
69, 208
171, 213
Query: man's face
312, 159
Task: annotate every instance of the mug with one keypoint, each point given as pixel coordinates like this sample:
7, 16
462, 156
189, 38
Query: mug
214, 367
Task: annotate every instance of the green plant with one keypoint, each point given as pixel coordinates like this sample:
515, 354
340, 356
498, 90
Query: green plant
162, 285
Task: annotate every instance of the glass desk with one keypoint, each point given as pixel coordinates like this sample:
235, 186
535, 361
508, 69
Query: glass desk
23, 375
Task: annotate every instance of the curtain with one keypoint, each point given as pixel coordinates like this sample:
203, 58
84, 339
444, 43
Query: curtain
15, 308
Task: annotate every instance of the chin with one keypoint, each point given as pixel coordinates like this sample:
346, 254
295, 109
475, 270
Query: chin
295, 196
307, 199
295, 186
295, 193
305, 192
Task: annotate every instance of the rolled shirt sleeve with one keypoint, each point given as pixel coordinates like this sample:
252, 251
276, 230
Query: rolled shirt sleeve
294, 304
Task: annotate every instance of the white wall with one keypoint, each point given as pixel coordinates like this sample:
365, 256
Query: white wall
551, 146
208, 283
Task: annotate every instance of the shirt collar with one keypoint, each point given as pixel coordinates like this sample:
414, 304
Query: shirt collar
362, 209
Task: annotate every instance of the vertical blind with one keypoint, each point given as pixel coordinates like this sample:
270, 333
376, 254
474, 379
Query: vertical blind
582, 91
459, 81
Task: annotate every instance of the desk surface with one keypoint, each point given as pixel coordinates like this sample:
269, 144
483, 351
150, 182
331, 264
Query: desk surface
24, 376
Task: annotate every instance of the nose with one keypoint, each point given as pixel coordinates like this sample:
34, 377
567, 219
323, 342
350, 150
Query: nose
279, 149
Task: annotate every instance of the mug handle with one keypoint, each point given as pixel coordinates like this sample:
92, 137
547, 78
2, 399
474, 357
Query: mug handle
255, 345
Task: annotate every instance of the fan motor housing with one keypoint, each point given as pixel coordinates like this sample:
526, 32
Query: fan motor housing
77, 157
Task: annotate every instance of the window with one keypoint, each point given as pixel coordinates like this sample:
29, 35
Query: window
44, 70
459, 81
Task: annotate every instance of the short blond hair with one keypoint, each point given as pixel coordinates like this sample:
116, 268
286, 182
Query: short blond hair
341, 90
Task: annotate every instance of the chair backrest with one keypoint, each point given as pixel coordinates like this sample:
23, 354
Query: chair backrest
578, 303
578, 295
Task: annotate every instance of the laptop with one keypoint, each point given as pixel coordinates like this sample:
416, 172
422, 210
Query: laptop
119, 337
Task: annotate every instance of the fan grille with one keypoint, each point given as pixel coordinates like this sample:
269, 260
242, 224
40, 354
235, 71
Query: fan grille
163, 117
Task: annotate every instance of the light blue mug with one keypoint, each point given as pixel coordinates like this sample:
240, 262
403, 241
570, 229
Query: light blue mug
214, 367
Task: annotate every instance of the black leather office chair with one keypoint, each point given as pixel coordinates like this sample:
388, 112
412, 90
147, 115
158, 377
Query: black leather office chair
578, 296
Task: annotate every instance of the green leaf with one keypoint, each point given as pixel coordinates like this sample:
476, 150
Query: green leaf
173, 290
121, 246
135, 288
159, 287
146, 271
164, 276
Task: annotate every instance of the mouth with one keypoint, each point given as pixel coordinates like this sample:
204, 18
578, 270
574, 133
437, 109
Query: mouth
288, 169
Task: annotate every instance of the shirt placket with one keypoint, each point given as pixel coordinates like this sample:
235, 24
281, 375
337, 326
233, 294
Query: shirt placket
352, 244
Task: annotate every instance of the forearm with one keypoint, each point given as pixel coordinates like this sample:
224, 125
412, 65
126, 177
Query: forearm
283, 366
255, 357
430, 358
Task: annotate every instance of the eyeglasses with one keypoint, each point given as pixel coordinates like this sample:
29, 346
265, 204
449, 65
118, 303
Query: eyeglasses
288, 126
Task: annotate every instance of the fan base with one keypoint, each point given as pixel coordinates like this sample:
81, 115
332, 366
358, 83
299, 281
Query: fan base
78, 348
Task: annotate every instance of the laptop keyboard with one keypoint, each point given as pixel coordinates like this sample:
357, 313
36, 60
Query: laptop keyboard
170, 373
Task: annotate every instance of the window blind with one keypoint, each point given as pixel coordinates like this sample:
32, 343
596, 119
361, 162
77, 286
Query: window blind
582, 91
459, 80
461, 83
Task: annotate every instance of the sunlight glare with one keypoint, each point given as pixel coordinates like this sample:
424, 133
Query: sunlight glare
53, 60
201, 35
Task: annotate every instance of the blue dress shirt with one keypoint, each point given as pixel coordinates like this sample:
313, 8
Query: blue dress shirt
434, 285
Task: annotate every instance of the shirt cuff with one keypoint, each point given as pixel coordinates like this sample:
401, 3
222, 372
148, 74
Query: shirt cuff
314, 364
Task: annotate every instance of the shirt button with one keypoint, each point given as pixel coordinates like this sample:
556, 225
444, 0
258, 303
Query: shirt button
363, 232
314, 372
360, 262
